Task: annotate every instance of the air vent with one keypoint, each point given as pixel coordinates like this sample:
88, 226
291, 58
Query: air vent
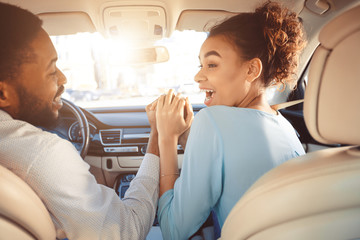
110, 137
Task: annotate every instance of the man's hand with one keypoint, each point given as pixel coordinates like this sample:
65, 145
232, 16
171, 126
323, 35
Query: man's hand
170, 119
151, 114
183, 138
153, 145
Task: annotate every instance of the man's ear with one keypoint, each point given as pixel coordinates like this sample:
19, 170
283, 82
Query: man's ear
254, 69
5, 94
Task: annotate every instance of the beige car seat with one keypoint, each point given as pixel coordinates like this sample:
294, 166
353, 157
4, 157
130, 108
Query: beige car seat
316, 196
23, 216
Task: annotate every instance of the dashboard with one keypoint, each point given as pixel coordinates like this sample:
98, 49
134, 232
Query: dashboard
118, 139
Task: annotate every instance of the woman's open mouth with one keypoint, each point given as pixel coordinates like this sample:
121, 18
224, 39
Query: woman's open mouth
209, 96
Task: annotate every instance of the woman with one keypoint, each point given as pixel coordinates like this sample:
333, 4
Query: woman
239, 136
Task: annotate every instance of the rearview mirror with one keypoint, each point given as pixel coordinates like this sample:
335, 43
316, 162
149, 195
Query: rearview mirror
152, 55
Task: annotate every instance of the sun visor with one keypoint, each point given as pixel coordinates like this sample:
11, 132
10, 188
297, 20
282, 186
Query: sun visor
201, 20
61, 23
139, 23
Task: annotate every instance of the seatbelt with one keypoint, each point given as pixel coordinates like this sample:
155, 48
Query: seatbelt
286, 104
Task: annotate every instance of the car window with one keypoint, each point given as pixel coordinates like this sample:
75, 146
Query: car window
99, 73
99, 76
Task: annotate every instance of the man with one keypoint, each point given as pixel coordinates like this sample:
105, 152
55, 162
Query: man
30, 89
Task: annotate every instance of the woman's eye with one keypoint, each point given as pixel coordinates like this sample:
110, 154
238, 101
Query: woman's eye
211, 65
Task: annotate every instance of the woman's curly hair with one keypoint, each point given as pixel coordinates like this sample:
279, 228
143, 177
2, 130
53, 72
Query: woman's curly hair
273, 34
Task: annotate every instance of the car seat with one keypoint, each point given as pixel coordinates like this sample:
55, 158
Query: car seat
22, 213
315, 196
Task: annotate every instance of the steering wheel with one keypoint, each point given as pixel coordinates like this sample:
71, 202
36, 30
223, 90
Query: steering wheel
83, 123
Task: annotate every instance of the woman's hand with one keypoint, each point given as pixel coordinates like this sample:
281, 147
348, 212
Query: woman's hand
170, 123
170, 112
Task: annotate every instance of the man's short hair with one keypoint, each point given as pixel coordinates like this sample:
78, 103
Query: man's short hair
18, 27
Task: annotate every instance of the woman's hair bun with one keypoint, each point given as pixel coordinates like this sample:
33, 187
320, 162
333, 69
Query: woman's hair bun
284, 39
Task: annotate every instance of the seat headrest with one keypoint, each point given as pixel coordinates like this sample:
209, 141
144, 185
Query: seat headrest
332, 97
22, 209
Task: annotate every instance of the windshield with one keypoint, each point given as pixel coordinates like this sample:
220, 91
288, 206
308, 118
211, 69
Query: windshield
99, 76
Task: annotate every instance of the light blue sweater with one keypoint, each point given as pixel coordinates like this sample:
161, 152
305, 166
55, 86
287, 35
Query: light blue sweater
228, 149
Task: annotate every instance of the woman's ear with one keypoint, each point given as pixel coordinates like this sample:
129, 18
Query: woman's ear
254, 69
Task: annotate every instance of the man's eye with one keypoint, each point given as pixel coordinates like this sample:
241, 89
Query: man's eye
212, 65
200, 66
54, 75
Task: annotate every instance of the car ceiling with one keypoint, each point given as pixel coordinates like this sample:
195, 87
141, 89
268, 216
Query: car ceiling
173, 8
60, 10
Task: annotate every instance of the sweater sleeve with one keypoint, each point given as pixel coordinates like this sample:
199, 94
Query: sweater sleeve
185, 208
83, 209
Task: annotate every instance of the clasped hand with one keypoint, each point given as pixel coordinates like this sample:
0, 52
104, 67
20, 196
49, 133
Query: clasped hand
171, 114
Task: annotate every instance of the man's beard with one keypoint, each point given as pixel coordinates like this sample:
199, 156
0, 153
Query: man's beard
34, 110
